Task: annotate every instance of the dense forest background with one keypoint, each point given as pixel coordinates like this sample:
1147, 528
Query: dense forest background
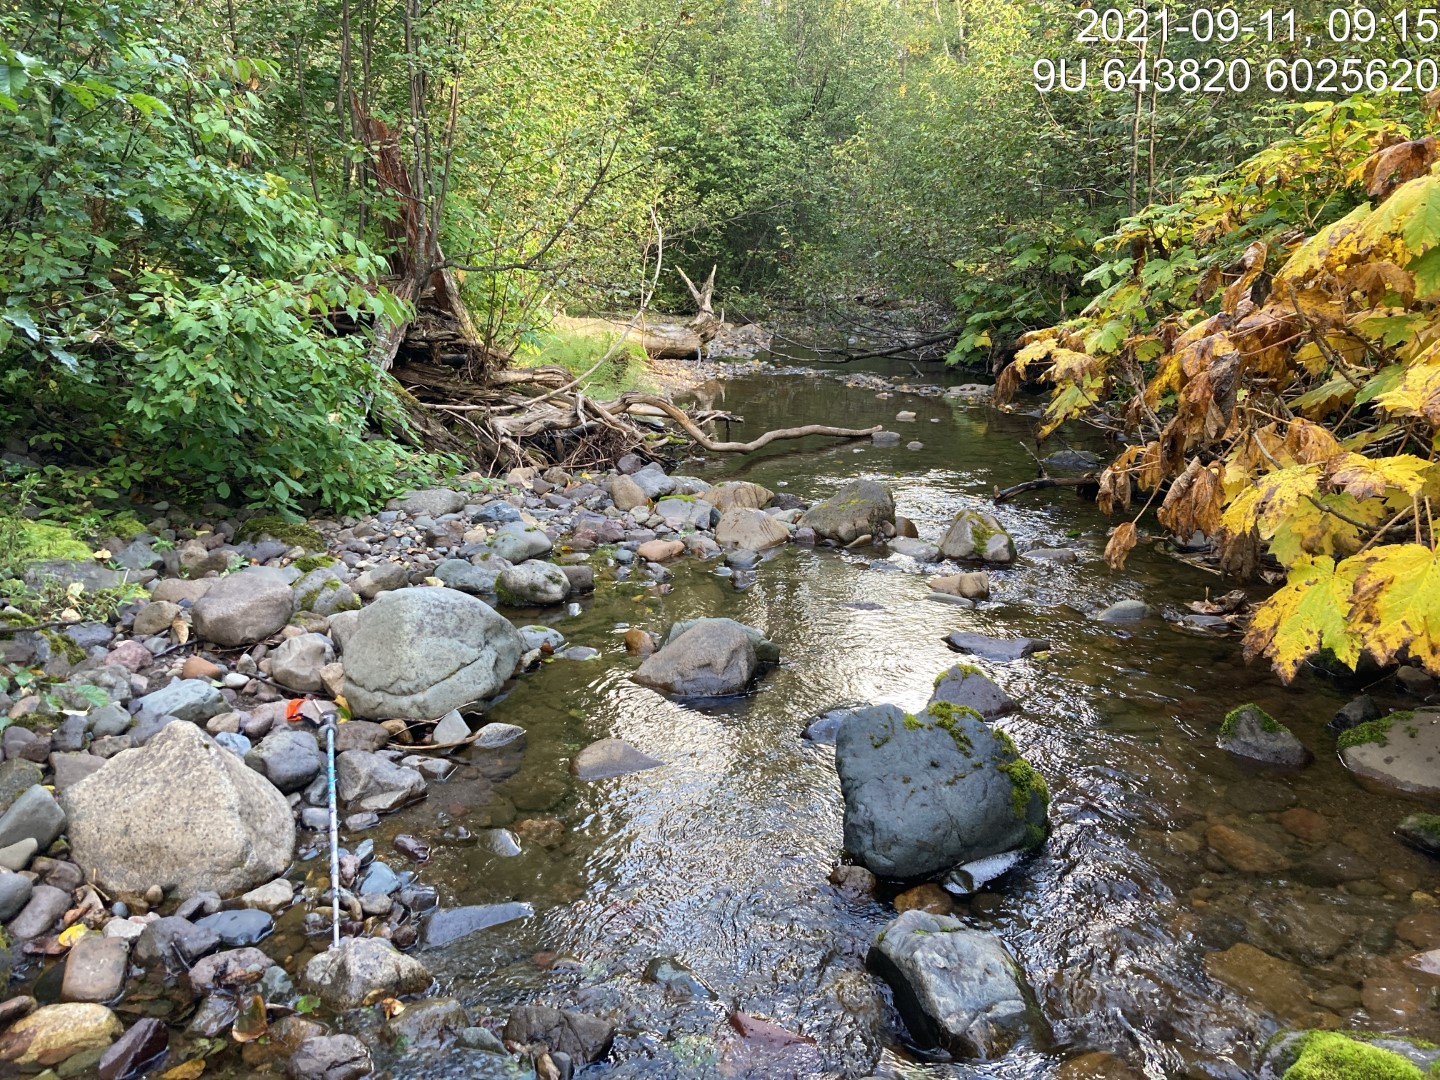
193, 229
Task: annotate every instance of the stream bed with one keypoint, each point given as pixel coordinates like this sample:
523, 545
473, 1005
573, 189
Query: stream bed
1149, 955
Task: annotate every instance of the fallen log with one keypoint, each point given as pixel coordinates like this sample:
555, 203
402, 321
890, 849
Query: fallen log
715, 447
1006, 494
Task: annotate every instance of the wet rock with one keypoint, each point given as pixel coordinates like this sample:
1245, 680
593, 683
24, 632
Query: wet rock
35, 815
766, 651
95, 969
585, 1038
228, 970
739, 494
532, 584
180, 813
967, 687
1124, 611
1305, 824
363, 969
1333, 864
370, 780
496, 736
855, 882
194, 700
1250, 732
40, 913
244, 607
128, 1057
176, 942
956, 988
928, 897
974, 534
1244, 852
427, 1025
53, 1033
1268, 982
610, 757
885, 438
14, 894
330, 1057
992, 648
1054, 556
296, 663
750, 530
273, 898
918, 550
1345, 1057
927, 792
1354, 713
418, 653
822, 729
971, 586
713, 658
288, 759
581, 578
246, 926
479, 1038
1400, 751
676, 979
857, 509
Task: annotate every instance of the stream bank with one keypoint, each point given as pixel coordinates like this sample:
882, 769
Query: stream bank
1151, 941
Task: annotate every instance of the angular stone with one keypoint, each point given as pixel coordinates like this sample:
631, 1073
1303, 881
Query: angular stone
146, 1040
181, 813
857, 509
626, 494
363, 969
1249, 732
40, 914
289, 759
194, 700
751, 530
244, 607
974, 534
443, 927
611, 757
35, 815
583, 1037
361, 775
297, 662
991, 648
956, 988
714, 658
967, 687
330, 1057
155, 618
95, 969
739, 494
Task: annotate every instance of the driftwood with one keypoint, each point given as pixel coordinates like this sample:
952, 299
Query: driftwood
669, 339
1006, 494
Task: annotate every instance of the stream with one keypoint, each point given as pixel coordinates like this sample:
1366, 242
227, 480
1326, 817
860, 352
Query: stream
720, 858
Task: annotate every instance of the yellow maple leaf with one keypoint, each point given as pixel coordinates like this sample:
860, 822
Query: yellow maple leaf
1396, 606
1307, 615
1271, 498
1363, 477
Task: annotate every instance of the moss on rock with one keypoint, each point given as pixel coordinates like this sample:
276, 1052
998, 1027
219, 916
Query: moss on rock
1372, 731
1232, 719
288, 532
1329, 1055
306, 563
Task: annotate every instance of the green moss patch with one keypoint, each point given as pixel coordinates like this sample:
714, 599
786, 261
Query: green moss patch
1232, 720
287, 532
34, 540
306, 563
1372, 731
1329, 1055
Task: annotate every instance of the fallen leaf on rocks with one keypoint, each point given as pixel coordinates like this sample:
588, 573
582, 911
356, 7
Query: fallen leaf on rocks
186, 1070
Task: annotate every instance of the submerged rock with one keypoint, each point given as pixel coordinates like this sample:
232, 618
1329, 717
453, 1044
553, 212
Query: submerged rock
611, 757
53, 1033
958, 989
1422, 832
443, 927
857, 509
583, 1037
714, 658
330, 1057
993, 648
181, 814
1250, 732
927, 792
418, 653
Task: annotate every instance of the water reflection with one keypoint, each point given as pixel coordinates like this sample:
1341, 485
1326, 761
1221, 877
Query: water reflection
720, 858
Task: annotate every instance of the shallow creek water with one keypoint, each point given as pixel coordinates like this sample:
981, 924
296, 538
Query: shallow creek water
720, 858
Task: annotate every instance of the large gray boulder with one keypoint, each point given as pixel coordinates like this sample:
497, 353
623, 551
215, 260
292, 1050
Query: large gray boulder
956, 988
244, 608
975, 534
766, 651
418, 653
1399, 751
966, 685
927, 792
516, 542
684, 511
533, 583
713, 658
181, 813
652, 481
857, 509
739, 493
749, 529
324, 592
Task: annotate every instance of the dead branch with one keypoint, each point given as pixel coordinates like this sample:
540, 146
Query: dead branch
683, 419
1006, 494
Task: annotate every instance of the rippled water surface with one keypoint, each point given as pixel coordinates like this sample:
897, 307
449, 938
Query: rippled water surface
720, 858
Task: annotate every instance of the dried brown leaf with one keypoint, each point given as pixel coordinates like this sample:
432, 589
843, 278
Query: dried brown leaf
1122, 542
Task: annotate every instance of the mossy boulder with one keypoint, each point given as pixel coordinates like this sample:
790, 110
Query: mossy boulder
977, 536
1250, 732
1335, 1055
296, 534
933, 790
1400, 751
1422, 832
857, 509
